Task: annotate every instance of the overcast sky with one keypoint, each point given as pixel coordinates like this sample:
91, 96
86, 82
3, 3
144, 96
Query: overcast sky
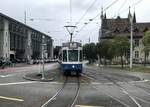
58, 11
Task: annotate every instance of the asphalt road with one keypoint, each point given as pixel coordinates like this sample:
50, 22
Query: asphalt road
96, 87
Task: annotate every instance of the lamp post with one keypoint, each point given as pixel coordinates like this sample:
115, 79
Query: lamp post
131, 40
43, 54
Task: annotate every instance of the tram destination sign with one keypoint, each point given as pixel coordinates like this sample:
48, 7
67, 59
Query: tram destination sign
72, 45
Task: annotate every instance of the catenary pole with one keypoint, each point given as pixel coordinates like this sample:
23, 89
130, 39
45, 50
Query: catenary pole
131, 41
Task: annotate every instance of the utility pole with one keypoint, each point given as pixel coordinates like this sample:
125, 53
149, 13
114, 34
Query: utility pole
25, 17
43, 54
89, 40
131, 39
100, 34
101, 29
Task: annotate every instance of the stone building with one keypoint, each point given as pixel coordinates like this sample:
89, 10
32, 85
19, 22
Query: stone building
19, 41
121, 26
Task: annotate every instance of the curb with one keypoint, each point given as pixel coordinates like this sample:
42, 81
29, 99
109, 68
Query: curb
40, 79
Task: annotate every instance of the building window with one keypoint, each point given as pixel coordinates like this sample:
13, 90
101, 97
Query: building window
136, 42
136, 54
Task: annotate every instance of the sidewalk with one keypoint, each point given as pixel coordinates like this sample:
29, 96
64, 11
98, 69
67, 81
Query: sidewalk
32, 71
19, 65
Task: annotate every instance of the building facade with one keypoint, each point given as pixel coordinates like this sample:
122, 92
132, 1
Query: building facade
121, 26
19, 41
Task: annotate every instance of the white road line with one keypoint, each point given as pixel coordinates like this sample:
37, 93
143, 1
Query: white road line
8, 75
133, 99
72, 105
87, 106
60, 83
17, 83
97, 83
111, 96
54, 96
87, 77
10, 98
142, 100
124, 91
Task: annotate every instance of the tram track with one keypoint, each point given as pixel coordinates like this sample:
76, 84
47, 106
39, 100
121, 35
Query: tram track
57, 98
76, 95
134, 98
106, 93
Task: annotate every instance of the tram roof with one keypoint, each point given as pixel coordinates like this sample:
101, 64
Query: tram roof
71, 44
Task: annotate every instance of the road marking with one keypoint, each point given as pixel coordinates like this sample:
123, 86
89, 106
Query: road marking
132, 98
13, 99
87, 106
53, 97
139, 81
126, 105
16, 83
8, 75
76, 96
113, 97
88, 77
100, 83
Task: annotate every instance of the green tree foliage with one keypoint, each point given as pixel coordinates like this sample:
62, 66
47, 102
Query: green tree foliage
105, 50
122, 45
89, 52
146, 43
56, 51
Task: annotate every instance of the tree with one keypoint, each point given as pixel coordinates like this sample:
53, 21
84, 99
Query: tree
122, 45
89, 52
146, 43
105, 50
56, 51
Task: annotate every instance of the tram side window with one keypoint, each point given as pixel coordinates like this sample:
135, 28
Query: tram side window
80, 55
65, 55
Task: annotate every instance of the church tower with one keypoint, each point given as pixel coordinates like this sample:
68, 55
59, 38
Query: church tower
134, 17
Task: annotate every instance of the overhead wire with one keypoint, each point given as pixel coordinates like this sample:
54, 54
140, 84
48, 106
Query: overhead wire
87, 33
133, 5
70, 12
85, 12
98, 15
122, 5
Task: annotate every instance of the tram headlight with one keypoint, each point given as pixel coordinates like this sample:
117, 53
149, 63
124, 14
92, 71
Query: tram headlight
73, 66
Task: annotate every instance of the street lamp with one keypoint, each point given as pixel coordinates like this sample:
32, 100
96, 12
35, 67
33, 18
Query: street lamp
131, 40
43, 54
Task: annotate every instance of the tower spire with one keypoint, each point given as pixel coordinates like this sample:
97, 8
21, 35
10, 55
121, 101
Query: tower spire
134, 17
105, 16
129, 14
102, 13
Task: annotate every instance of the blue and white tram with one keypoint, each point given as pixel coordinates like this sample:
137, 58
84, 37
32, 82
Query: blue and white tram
71, 58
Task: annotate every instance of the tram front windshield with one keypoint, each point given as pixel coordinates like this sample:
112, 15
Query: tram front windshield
73, 55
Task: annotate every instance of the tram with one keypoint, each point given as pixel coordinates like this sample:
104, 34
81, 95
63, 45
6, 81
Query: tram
70, 58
